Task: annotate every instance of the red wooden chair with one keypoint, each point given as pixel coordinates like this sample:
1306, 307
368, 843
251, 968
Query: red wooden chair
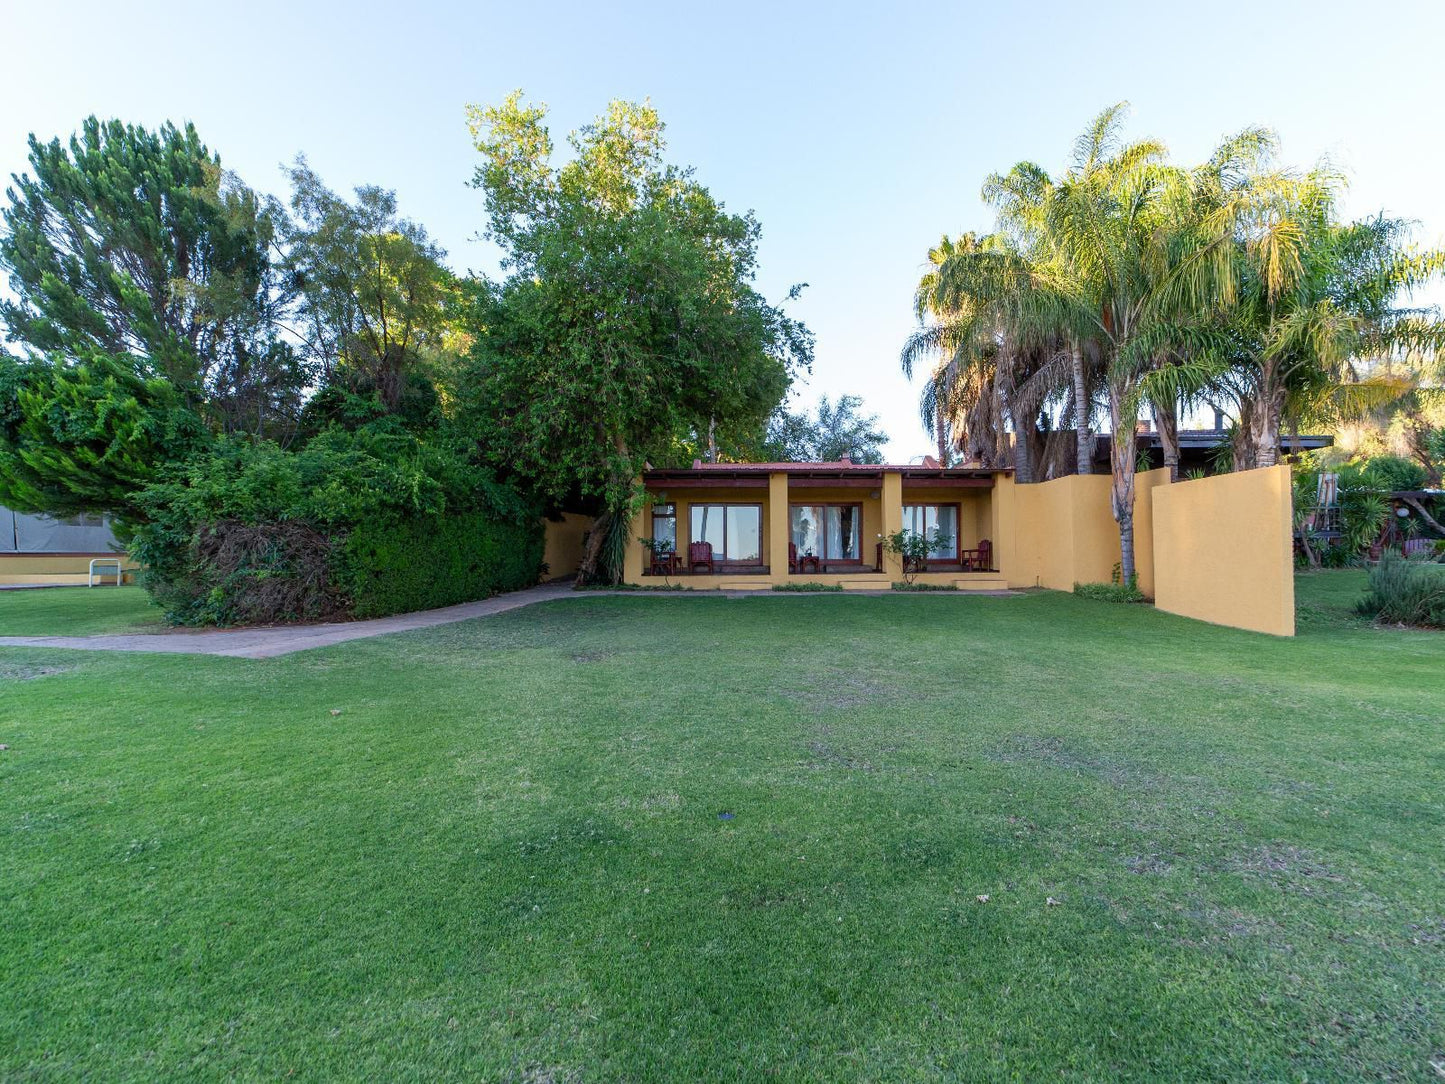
979, 560
700, 554
792, 557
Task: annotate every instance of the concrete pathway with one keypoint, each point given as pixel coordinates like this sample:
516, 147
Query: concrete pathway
265, 643
282, 640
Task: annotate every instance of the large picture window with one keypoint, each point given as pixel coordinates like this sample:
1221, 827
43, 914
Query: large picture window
924, 519
735, 530
828, 531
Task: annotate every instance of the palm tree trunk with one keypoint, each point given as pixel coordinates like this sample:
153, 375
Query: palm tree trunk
1266, 429
1122, 450
942, 427
1166, 420
1084, 448
1023, 460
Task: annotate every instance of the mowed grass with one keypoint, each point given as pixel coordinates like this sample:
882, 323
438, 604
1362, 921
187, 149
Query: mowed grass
505, 859
77, 611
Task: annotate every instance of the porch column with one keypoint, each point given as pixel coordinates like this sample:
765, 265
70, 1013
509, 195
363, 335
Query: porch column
892, 520
779, 534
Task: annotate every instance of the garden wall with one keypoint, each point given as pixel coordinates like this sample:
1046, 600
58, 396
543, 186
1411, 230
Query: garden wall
1223, 550
1218, 549
565, 540
1064, 531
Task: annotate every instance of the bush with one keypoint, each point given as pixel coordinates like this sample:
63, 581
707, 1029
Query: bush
1395, 472
906, 586
1110, 592
1405, 591
419, 565
355, 524
806, 587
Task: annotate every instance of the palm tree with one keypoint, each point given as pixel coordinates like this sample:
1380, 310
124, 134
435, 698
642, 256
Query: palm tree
962, 402
1101, 233
1315, 296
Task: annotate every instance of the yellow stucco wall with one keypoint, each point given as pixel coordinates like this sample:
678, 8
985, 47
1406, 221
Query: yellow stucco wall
1222, 549
1063, 532
564, 542
1145, 486
43, 568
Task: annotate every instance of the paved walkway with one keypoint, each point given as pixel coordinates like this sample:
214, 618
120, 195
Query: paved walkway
282, 640
265, 643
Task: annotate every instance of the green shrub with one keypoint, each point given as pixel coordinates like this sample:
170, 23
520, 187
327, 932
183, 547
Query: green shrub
1110, 592
923, 587
1405, 591
249, 533
422, 564
1395, 472
806, 587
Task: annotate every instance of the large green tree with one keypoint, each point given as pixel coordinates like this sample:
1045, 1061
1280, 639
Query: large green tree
126, 241
86, 437
833, 429
374, 298
629, 319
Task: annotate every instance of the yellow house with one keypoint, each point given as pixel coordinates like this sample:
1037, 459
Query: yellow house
758, 525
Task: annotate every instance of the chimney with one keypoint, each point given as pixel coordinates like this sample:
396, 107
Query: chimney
1218, 419
697, 464
847, 459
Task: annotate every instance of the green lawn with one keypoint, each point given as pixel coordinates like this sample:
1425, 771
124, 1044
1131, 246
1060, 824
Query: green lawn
77, 611
504, 859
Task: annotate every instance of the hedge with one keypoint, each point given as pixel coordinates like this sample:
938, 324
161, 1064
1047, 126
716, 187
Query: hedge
440, 561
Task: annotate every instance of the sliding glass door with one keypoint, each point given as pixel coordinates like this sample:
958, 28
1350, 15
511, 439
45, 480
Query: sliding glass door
735, 531
831, 532
924, 519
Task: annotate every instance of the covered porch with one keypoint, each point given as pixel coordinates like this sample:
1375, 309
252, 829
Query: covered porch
743, 526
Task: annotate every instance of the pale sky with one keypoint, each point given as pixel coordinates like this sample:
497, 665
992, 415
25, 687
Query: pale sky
858, 133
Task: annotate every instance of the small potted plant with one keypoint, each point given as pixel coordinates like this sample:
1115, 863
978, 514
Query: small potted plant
914, 549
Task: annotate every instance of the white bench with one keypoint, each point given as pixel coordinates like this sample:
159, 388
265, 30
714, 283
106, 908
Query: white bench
111, 565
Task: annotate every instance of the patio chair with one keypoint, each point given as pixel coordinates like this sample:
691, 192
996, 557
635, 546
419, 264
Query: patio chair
792, 557
699, 554
979, 560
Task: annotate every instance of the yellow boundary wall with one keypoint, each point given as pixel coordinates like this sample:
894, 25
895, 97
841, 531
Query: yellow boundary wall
1218, 549
564, 540
1223, 550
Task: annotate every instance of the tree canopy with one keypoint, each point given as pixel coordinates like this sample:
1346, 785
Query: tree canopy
131, 242
629, 318
834, 429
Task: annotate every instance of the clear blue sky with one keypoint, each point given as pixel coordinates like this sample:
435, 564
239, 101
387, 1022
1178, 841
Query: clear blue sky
858, 132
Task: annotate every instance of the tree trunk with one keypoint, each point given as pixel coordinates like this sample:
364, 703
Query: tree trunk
712, 440
1122, 450
588, 567
1266, 430
1084, 447
1166, 420
1243, 439
1023, 465
942, 427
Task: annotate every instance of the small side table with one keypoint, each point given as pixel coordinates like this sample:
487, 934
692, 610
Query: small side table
809, 559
